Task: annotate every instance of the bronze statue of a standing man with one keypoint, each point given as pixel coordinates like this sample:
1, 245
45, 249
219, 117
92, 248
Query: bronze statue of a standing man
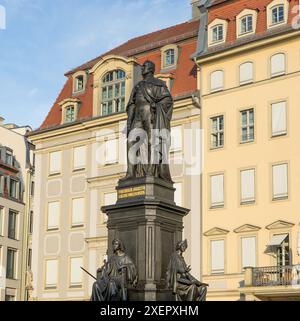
149, 110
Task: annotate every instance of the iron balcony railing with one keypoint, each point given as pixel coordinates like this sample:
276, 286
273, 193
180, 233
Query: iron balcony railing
276, 275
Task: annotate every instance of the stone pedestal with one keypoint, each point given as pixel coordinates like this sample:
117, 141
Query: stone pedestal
150, 224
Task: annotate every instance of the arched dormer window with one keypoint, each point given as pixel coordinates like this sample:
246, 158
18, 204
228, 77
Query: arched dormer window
247, 24
79, 82
170, 57
113, 92
217, 31
277, 12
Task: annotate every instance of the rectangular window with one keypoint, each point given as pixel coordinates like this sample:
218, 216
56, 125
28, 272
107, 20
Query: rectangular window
280, 181
76, 272
14, 189
248, 252
2, 183
53, 215
248, 186
1, 220
29, 258
279, 119
12, 225
217, 257
246, 24
79, 157
217, 132
217, 190
176, 139
278, 14
78, 212
217, 34
247, 125
178, 194
55, 163
109, 199
11, 264
70, 114
51, 274
9, 157
111, 151
30, 222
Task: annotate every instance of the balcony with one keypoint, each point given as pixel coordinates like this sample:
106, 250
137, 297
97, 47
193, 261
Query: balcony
272, 283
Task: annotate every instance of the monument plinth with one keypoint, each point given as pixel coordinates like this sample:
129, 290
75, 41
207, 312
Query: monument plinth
148, 221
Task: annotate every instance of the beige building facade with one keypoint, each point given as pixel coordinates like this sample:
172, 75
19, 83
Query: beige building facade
249, 68
81, 155
16, 215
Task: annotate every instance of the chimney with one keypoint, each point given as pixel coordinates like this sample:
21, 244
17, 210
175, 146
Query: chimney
195, 9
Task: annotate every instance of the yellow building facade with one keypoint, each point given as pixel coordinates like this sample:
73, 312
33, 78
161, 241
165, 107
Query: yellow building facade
250, 109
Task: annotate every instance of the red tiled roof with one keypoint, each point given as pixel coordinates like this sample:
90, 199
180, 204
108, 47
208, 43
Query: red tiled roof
143, 48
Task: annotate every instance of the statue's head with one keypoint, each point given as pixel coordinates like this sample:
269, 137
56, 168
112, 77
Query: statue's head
148, 68
182, 245
118, 245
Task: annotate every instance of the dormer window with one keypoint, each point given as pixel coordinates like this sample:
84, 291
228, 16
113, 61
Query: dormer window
247, 24
278, 14
79, 82
170, 57
70, 114
217, 33
79, 85
113, 92
70, 109
9, 157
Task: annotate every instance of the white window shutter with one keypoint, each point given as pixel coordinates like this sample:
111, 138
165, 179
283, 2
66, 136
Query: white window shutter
76, 272
217, 80
217, 190
55, 162
217, 256
176, 138
51, 273
280, 181
278, 64
79, 157
246, 72
111, 151
178, 194
248, 185
279, 121
53, 215
248, 252
78, 210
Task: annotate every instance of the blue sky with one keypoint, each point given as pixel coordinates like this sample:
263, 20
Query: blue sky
45, 38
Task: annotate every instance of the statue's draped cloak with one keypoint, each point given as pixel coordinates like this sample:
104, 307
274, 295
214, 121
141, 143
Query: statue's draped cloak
158, 96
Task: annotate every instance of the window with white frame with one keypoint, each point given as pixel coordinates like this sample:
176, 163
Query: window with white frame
70, 114
76, 273
217, 257
113, 92
178, 194
2, 183
51, 274
111, 151
217, 80
247, 125
246, 73
109, 199
217, 132
279, 118
248, 186
55, 163
248, 252
176, 139
79, 157
78, 212
79, 83
11, 263
278, 14
14, 188
53, 215
9, 157
217, 33
12, 224
280, 181
278, 64
246, 24
1, 220
217, 190
169, 57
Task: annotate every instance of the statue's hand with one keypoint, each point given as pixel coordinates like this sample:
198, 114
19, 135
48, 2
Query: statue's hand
189, 269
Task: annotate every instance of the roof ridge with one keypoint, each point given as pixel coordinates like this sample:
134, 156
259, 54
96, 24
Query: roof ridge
86, 64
